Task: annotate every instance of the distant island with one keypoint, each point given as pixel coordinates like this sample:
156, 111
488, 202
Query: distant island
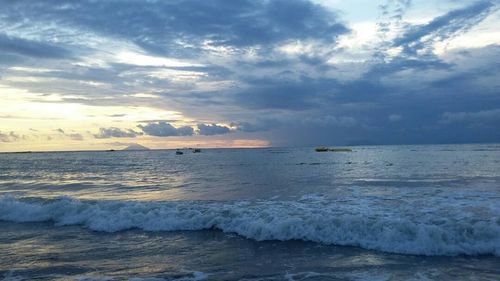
136, 146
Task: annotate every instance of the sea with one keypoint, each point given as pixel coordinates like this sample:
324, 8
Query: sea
406, 212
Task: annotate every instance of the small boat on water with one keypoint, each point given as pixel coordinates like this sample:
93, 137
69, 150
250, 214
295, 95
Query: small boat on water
196, 150
333, 149
178, 152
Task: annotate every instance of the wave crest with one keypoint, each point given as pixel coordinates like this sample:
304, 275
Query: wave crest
309, 219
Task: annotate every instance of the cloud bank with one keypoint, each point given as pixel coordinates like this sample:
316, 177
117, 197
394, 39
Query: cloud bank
291, 72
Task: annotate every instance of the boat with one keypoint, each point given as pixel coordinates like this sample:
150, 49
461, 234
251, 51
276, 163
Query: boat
178, 152
334, 149
196, 150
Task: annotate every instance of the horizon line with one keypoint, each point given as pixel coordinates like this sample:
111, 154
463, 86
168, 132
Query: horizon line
241, 147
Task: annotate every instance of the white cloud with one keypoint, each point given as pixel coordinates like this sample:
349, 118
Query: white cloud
139, 59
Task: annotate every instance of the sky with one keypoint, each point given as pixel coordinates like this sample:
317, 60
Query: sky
92, 75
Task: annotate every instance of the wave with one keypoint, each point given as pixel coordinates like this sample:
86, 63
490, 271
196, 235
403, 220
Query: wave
309, 219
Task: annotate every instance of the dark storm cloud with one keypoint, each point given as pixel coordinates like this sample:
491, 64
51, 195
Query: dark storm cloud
31, 48
212, 129
382, 107
164, 129
375, 108
272, 93
165, 26
113, 132
256, 126
400, 63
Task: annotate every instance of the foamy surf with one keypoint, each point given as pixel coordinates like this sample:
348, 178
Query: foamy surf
405, 230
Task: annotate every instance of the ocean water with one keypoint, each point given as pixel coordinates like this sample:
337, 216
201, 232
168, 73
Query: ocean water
422, 212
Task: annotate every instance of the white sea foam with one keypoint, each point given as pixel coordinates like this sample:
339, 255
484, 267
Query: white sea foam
467, 229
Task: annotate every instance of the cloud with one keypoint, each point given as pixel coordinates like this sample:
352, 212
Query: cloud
274, 68
113, 132
31, 48
332, 121
420, 37
117, 115
492, 115
212, 129
72, 136
166, 26
276, 93
394, 117
392, 13
257, 126
9, 137
164, 129
75, 136
395, 9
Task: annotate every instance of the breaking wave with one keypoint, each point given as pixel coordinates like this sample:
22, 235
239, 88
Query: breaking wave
308, 219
